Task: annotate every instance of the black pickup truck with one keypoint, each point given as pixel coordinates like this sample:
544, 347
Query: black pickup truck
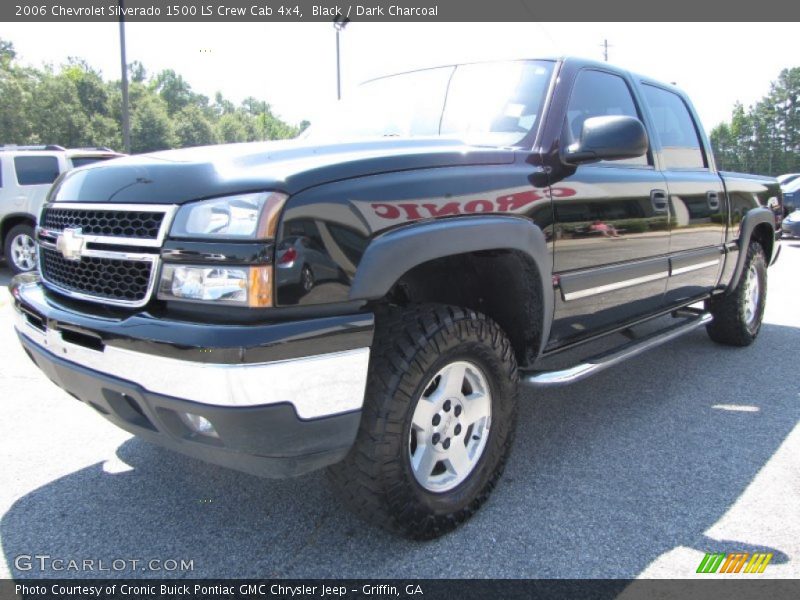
369, 297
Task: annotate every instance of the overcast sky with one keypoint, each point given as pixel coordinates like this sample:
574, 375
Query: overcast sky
292, 66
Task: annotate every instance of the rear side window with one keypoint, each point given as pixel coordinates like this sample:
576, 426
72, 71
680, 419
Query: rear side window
680, 143
600, 94
36, 170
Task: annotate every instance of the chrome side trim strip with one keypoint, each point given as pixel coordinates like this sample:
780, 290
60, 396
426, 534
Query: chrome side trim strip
695, 267
603, 361
317, 386
617, 285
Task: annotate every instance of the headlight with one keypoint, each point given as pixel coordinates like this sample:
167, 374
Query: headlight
244, 217
242, 286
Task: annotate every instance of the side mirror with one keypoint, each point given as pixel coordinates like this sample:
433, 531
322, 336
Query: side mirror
608, 138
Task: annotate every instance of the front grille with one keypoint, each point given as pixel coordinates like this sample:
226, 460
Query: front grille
139, 224
119, 280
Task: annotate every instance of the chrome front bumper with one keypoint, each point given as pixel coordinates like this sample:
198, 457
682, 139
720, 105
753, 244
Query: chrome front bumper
316, 386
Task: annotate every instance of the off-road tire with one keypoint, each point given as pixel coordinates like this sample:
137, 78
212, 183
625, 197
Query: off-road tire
411, 345
730, 326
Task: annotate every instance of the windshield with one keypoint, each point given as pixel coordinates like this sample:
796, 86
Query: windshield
791, 187
82, 161
788, 178
488, 104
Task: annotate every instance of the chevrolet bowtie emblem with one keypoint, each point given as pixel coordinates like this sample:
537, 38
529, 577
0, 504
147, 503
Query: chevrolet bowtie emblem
70, 243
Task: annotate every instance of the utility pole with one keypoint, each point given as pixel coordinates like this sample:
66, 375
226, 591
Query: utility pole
126, 122
605, 50
339, 25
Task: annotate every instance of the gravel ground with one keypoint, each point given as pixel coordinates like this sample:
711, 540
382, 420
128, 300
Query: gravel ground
638, 472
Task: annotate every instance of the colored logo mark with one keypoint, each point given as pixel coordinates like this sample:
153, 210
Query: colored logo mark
736, 562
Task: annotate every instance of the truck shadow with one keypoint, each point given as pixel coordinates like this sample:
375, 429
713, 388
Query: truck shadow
606, 476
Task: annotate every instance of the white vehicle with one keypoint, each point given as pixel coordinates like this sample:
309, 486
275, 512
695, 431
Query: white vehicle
26, 174
787, 178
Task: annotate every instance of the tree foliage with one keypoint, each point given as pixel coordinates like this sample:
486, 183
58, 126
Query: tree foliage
765, 138
72, 105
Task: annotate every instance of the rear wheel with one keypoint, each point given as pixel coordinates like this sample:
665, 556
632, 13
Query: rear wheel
20, 249
437, 424
738, 314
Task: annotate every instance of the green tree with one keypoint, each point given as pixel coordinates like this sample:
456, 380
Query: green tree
7, 52
16, 89
72, 105
222, 106
232, 128
151, 128
56, 113
765, 138
193, 128
176, 92
137, 72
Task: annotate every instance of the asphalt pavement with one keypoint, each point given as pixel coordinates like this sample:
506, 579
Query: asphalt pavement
638, 472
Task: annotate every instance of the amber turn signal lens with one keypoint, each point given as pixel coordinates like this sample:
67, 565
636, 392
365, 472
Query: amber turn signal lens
260, 288
268, 221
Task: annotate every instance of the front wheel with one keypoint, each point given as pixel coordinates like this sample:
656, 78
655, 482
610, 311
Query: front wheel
437, 424
737, 314
20, 249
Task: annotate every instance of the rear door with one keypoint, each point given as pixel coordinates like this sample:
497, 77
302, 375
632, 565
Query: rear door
697, 201
611, 226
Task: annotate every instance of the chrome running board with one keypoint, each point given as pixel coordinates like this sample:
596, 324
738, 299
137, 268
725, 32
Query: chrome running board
607, 359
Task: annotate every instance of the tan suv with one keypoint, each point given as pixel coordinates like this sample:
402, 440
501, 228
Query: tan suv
26, 174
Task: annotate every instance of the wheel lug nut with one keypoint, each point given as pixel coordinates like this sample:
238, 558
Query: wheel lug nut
446, 444
436, 420
436, 438
458, 429
457, 410
447, 406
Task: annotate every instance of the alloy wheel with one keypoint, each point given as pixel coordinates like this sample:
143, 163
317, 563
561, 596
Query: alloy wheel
450, 426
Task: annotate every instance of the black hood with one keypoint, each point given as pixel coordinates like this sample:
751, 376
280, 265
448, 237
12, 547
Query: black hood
178, 176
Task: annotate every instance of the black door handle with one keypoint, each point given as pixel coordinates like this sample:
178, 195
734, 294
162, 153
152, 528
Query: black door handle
713, 201
658, 198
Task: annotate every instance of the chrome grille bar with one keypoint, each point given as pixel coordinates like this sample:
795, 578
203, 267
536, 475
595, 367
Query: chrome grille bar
47, 237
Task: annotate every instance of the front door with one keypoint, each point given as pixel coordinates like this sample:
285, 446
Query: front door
611, 225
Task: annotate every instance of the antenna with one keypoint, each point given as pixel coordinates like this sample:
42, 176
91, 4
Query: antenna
605, 45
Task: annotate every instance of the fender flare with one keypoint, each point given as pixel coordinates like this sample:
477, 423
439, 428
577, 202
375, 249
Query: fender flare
751, 220
392, 254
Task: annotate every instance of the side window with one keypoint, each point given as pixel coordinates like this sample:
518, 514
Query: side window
35, 170
598, 94
680, 144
